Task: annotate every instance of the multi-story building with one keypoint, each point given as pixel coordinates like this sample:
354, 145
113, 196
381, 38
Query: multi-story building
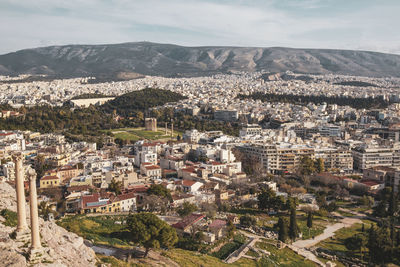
250, 129
278, 157
335, 158
226, 115
371, 156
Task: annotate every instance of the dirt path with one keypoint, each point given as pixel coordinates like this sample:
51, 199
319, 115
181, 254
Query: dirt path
301, 246
328, 232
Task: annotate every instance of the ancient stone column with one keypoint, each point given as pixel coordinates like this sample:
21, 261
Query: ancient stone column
35, 237
172, 130
19, 185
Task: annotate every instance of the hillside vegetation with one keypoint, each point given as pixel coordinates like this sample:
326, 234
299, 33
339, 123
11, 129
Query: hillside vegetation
141, 101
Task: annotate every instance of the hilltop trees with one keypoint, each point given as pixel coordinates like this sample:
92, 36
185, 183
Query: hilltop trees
186, 209
358, 103
151, 232
141, 100
267, 200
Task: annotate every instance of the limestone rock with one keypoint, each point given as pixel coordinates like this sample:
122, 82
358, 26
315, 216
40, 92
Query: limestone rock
64, 248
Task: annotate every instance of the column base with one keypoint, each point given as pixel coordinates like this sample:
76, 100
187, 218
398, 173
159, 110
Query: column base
23, 235
39, 255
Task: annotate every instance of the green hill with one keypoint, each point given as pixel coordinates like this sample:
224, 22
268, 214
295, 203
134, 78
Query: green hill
141, 100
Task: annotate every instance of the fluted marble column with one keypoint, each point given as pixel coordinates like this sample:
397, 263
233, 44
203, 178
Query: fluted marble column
35, 237
19, 186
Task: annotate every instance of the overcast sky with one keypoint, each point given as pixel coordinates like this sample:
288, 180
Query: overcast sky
345, 24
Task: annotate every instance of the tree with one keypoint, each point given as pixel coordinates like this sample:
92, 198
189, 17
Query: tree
393, 204
379, 240
309, 219
355, 243
266, 199
307, 165
366, 201
293, 227
319, 165
380, 209
154, 203
149, 231
248, 220
159, 190
283, 229
291, 203
115, 186
210, 209
186, 209
230, 230
44, 210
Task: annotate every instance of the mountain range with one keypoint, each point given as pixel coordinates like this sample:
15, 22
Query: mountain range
176, 61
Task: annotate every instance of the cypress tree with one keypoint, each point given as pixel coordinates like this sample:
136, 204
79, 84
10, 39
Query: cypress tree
293, 227
283, 229
392, 203
309, 220
372, 242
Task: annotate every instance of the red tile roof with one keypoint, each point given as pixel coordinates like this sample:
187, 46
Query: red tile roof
124, 196
188, 182
216, 224
188, 221
152, 167
49, 177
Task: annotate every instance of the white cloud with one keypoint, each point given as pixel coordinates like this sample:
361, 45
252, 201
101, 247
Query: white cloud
26, 23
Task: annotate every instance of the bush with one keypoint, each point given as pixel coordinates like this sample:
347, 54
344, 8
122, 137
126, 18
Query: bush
11, 218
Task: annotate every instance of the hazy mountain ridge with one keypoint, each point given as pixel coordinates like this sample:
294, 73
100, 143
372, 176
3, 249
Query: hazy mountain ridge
170, 60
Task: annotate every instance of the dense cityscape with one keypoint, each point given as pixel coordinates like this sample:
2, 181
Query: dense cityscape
238, 167
197, 133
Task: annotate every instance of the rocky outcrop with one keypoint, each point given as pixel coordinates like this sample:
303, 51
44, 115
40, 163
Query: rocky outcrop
63, 247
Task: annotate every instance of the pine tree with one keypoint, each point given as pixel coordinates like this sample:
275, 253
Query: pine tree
293, 227
283, 229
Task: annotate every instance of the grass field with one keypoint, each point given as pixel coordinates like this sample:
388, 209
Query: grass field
194, 259
135, 134
101, 230
230, 247
336, 243
282, 257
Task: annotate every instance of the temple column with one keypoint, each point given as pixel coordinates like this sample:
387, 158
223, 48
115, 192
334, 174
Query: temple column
172, 129
19, 186
35, 237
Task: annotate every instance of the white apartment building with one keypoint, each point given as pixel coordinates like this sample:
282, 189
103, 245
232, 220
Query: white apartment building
371, 156
278, 157
335, 158
250, 129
